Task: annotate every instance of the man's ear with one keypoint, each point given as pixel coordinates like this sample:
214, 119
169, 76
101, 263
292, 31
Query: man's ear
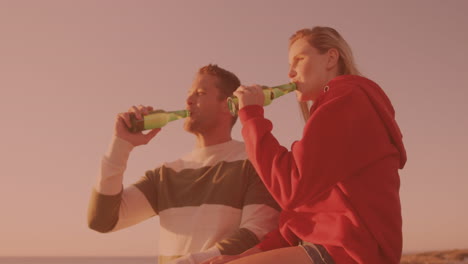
333, 57
225, 107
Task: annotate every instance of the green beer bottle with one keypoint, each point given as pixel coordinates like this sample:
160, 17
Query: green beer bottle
155, 119
270, 93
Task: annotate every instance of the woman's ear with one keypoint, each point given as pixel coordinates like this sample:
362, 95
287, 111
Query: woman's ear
333, 57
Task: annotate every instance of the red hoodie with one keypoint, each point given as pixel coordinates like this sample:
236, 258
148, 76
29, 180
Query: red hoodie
339, 184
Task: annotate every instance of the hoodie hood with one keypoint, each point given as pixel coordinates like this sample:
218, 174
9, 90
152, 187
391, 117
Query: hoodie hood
382, 106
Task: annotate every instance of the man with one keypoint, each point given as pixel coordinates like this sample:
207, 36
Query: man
210, 202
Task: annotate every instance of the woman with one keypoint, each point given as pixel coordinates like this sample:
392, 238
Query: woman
339, 185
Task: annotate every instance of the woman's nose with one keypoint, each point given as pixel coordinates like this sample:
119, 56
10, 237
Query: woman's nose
292, 73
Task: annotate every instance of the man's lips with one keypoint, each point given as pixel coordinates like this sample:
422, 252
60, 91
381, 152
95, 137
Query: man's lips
192, 112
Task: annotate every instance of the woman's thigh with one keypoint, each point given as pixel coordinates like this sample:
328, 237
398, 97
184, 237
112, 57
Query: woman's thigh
296, 255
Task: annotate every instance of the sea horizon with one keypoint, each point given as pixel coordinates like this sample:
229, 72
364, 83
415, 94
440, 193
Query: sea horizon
78, 259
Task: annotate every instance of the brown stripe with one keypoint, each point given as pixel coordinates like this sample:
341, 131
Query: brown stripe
257, 192
238, 242
103, 211
234, 184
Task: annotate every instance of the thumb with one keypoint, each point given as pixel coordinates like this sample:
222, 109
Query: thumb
151, 134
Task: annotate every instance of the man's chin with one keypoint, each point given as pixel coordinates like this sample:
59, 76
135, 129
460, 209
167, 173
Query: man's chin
187, 128
190, 127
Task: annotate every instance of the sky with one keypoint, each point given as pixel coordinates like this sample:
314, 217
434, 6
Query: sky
68, 67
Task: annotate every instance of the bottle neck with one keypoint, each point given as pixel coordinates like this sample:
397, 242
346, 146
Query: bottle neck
174, 115
281, 90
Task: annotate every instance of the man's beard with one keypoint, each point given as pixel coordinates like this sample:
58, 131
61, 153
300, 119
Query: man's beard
192, 126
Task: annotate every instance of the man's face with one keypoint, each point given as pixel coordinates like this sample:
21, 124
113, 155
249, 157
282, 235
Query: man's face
204, 104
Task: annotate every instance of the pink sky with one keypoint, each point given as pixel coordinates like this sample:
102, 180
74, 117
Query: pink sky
67, 67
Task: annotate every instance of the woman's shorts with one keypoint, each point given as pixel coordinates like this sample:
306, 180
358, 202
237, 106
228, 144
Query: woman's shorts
317, 253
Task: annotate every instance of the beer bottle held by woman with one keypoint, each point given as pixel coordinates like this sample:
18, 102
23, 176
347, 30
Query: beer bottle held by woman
271, 93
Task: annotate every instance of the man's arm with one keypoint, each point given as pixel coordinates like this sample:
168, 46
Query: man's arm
260, 215
257, 221
110, 207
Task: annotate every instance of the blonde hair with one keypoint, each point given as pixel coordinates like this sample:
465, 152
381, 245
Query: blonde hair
324, 39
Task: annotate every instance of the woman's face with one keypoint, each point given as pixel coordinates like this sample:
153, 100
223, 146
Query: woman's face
308, 69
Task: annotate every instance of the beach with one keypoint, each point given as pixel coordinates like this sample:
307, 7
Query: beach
456, 256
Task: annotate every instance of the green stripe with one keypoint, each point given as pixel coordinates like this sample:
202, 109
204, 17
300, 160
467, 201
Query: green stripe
103, 211
234, 184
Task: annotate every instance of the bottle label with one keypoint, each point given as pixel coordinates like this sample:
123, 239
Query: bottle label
156, 120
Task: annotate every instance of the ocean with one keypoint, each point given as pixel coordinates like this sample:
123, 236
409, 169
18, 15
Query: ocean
78, 260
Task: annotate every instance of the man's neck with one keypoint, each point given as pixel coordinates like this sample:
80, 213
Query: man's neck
206, 139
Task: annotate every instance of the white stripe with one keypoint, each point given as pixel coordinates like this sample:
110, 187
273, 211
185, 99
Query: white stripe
260, 219
209, 156
195, 228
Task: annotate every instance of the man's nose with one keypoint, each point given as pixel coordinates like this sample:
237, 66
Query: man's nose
189, 100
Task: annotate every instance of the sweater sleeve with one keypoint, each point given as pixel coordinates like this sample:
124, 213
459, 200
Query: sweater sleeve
260, 215
337, 139
110, 207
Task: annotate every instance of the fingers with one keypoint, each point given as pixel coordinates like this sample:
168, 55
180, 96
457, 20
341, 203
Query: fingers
124, 117
151, 134
237, 93
136, 111
140, 110
124, 121
256, 88
249, 95
252, 89
145, 110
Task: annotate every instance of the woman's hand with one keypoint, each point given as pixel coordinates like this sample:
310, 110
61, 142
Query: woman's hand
249, 95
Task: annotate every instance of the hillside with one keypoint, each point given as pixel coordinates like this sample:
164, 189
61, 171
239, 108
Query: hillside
457, 256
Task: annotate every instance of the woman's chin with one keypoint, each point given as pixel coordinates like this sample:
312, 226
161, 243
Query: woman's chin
300, 97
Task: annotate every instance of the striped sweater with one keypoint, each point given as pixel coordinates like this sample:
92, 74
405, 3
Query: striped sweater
210, 202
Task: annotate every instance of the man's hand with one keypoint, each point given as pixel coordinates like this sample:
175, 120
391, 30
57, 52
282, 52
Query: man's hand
122, 123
